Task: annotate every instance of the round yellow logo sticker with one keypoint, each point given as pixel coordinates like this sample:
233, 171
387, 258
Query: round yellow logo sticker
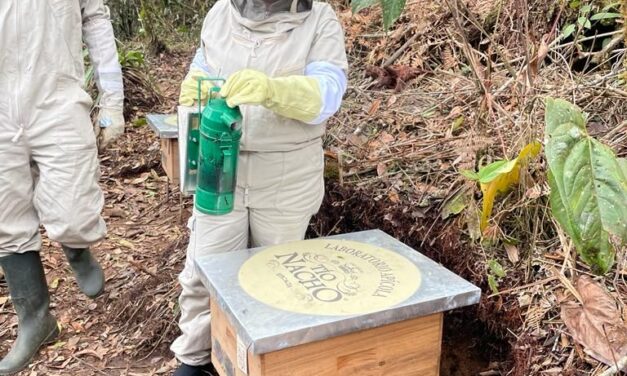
329, 277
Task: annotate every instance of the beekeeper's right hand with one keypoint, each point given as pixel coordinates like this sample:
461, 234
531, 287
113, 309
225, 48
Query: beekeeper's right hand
189, 88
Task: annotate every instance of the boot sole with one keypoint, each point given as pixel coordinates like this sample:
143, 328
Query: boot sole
52, 336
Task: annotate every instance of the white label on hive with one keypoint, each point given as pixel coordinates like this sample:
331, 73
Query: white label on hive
242, 356
329, 277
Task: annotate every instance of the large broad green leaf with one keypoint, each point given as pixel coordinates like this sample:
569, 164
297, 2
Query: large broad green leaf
392, 10
588, 186
623, 165
359, 5
558, 112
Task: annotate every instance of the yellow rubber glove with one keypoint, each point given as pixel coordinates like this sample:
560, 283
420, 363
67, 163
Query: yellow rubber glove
295, 97
189, 88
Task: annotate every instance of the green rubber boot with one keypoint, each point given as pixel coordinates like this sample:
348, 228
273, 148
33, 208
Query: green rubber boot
24, 274
89, 274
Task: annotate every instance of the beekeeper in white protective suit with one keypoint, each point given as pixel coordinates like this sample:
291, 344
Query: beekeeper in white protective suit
45, 126
285, 64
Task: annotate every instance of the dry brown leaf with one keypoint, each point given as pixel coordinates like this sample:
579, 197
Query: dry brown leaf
126, 243
483, 8
386, 138
141, 179
448, 59
393, 196
356, 140
553, 371
116, 212
393, 99
374, 107
597, 324
392, 77
512, 253
381, 169
403, 75
72, 343
534, 192
564, 342
98, 353
535, 63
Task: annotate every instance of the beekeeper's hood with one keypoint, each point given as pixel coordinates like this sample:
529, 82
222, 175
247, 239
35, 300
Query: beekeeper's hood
260, 10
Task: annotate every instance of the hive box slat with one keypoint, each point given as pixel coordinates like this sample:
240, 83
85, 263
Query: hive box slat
406, 348
170, 159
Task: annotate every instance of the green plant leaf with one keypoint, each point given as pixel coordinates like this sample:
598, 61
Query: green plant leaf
559, 111
585, 9
605, 16
392, 10
588, 186
622, 162
89, 76
612, 5
496, 268
140, 122
568, 30
457, 124
455, 205
584, 22
495, 169
470, 174
494, 286
359, 5
498, 177
54, 284
558, 208
472, 218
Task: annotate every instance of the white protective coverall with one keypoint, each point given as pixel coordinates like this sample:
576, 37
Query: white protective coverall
281, 163
45, 120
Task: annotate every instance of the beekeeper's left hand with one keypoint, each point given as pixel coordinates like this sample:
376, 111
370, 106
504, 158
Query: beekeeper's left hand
108, 127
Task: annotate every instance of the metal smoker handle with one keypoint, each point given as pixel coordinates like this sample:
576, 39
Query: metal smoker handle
214, 89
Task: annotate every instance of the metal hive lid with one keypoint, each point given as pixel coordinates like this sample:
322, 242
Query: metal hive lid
273, 309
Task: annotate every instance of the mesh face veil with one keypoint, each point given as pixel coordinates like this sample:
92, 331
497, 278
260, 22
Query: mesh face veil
259, 10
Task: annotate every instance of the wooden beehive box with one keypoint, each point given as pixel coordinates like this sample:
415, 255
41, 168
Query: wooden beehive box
165, 126
353, 304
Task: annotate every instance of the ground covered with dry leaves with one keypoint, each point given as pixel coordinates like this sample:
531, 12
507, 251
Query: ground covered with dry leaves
454, 86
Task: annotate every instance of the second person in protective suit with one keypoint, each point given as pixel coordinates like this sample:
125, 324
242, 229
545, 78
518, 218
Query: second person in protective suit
45, 126
285, 66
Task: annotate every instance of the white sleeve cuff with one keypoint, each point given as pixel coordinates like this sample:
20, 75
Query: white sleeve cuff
333, 82
199, 62
98, 35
